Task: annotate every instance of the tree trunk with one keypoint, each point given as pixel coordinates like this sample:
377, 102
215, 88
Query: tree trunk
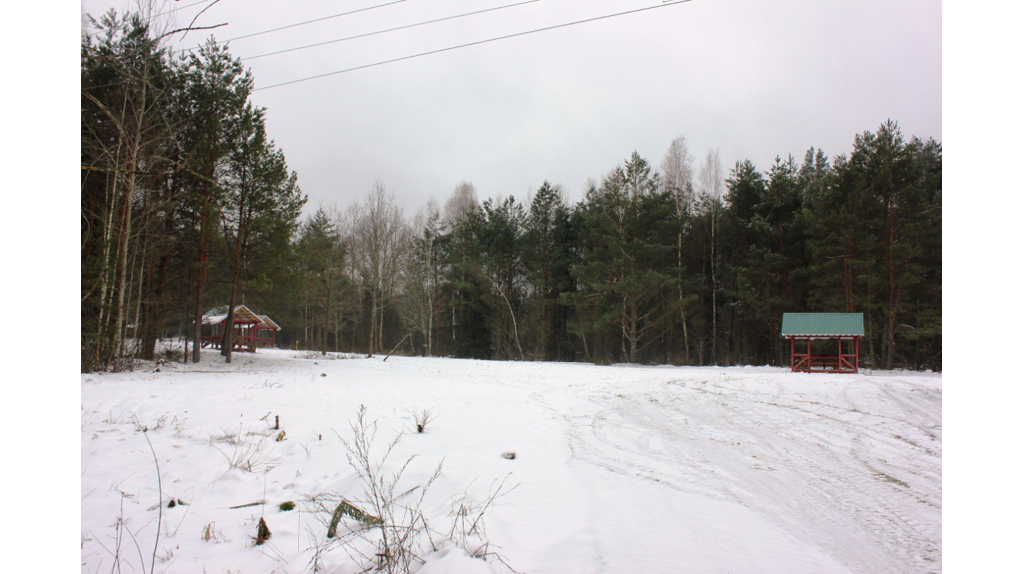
888, 342
236, 275
327, 317
682, 310
227, 341
124, 232
197, 327
373, 322
714, 287
632, 335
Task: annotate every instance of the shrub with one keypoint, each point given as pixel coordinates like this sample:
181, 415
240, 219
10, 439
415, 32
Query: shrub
423, 419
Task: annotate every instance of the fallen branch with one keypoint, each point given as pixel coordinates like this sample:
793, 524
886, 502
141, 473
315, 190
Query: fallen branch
346, 509
394, 348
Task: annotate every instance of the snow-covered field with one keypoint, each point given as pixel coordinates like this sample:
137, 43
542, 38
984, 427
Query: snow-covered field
619, 468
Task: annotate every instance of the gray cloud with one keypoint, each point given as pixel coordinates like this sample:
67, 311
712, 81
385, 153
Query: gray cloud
755, 79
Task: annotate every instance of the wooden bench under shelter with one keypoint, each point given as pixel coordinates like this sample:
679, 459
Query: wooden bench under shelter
843, 328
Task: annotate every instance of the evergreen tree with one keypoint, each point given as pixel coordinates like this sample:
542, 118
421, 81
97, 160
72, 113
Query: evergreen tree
470, 306
498, 264
322, 259
215, 90
547, 261
766, 219
645, 268
628, 268
127, 84
261, 207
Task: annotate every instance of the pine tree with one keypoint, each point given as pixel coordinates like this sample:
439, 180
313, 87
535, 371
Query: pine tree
127, 87
628, 267
767, 220
322, 260
498, 264
261, 205
470, 306
547, 261
216, 88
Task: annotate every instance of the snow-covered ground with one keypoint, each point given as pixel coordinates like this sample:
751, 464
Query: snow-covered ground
619, 468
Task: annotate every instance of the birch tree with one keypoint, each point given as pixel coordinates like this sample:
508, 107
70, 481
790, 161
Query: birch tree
378, 234
711, 183
423, 274
127, 86
677, 181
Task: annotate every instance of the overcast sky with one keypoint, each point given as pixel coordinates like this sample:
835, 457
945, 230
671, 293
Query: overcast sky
754, 78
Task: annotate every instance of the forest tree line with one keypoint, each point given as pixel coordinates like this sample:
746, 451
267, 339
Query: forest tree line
188, 205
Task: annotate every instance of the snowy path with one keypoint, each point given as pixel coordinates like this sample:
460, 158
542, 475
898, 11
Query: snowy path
621, 469
827, 472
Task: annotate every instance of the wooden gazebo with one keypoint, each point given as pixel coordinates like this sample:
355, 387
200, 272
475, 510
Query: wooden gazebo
807, 327
266, 331
250, 330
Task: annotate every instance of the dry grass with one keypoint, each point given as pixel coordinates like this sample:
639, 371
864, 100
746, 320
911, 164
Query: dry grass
247, 450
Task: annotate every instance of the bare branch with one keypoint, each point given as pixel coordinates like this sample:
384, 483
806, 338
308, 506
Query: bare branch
189, 27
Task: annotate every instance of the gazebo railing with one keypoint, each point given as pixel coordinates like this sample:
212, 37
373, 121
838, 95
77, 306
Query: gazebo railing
238, 342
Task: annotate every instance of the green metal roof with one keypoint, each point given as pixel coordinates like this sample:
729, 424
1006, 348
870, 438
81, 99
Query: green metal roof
822, 324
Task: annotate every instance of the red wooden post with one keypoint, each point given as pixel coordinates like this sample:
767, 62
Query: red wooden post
839, 355
848, 362
792, 353
856, 350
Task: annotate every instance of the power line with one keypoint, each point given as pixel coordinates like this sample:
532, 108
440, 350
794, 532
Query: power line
179, 8
297, 24
407, 26
476, 43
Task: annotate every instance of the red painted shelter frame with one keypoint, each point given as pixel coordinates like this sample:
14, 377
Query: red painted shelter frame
247, 337
803, 360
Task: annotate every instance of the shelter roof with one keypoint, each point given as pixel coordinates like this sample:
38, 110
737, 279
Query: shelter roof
243, 316
822, 324
268, 323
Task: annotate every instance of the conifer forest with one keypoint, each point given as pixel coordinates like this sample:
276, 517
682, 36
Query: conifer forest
188, 204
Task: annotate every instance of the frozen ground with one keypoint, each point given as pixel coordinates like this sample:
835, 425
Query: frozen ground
619, 469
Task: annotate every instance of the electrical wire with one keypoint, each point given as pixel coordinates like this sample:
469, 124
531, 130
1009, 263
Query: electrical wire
179, 8
469, 44
407, 26
297, 24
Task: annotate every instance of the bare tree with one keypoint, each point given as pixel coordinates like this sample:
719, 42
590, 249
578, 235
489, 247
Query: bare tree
422, 275
677, 179
378, 233
677, 174
125, 136
711, 183
462, 202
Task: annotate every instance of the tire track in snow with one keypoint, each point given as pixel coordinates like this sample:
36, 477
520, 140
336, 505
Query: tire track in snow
804, 465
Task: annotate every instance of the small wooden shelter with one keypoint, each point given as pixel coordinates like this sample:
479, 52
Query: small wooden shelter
266, 331
249, 329
807, 327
